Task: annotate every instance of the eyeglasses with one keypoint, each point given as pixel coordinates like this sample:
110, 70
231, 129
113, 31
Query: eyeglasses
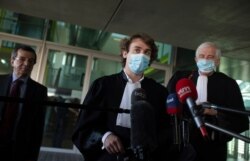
23, 59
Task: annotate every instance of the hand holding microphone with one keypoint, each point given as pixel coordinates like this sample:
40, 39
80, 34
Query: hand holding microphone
186, 92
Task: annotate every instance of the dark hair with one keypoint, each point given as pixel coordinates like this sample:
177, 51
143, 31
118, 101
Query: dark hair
23, 47
125, 44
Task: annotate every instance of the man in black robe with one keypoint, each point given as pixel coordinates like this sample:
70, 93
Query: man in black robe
216, 88
104, 135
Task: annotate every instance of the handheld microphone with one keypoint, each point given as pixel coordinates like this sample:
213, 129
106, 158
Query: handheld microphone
137, 95
216, 107
173, 110
143, 125
186, 92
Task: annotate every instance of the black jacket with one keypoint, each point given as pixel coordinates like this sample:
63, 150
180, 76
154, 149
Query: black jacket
30, 123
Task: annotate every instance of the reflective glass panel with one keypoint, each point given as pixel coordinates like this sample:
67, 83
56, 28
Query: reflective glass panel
64, 78
20, 24
103, 67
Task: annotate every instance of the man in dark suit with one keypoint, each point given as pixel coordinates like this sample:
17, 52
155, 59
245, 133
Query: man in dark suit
21, 124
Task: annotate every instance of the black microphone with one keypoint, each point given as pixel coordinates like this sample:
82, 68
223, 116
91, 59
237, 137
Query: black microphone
186, 92
173, 109
143, 126
216, 107
137, 95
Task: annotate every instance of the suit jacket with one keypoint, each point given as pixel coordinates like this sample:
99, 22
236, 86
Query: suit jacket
28, 132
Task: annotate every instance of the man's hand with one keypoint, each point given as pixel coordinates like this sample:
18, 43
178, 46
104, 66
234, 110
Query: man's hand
210, 111
113, 144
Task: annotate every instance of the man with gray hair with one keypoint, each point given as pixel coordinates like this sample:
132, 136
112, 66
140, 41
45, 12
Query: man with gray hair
217, 88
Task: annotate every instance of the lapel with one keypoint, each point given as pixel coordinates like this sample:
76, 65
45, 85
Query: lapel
29, 89
194, 76
29, 96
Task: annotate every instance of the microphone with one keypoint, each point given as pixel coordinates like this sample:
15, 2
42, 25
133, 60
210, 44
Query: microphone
216, 107
173, 109
138, 94
186, 92
143, 126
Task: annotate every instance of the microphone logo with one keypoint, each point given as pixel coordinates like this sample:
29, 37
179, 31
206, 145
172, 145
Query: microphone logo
184, 91
169, 100
140, 94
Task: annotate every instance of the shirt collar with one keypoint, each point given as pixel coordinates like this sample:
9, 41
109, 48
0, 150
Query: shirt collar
15, 77
209, 74
130, 80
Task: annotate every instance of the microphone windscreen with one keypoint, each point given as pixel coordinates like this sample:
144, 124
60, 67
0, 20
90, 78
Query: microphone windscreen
185, 88
172, 104
143, 126
137, 95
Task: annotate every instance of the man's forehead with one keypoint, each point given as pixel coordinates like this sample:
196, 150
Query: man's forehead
207, 50
25, 53
139, 43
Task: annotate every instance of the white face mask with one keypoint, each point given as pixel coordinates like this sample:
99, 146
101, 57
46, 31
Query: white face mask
206, 66
138, 63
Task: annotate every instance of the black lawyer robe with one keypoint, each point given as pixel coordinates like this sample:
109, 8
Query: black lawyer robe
222, 91
107, 92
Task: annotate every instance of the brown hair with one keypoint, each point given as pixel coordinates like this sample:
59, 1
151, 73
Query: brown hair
125, 44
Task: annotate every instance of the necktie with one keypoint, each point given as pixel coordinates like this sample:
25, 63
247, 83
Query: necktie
11, 110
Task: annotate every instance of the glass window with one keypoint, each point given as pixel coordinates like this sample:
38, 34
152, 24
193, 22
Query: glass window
164, 53
111, 45
155, 74
64, 78
103, 67
65, 70
237, 149
19, 24
70, 34
5, 54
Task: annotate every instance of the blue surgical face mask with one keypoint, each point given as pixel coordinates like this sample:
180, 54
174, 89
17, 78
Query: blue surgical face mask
206, 66
138, 63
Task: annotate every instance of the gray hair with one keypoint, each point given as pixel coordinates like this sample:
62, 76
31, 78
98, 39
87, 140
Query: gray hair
208, 44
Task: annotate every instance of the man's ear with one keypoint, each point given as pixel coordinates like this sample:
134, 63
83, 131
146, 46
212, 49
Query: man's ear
217, 62
124, 54
195, 59
12, 61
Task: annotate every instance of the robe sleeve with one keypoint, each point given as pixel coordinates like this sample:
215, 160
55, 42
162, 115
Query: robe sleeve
237, 123
89, 128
